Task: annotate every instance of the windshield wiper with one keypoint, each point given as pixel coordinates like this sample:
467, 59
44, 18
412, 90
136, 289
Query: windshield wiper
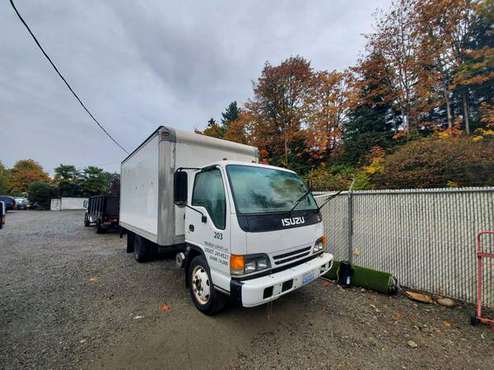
298, 201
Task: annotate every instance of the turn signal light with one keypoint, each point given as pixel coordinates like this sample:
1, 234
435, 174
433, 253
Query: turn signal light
237, 264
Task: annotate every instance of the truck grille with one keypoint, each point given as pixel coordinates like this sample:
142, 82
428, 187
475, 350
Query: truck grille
291, 256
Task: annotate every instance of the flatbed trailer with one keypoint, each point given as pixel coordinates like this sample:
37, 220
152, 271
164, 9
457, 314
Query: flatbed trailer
102, 211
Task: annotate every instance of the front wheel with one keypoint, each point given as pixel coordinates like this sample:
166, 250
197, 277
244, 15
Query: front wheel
207, 299
86, 220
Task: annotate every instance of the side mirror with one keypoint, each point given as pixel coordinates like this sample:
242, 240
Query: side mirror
180, 188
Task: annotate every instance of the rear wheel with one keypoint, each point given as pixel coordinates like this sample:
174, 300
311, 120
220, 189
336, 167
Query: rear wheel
144, 250
207, 299
130, 242
99, 227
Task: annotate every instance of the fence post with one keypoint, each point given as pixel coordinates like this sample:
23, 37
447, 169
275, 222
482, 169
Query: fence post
350, 226
350, 223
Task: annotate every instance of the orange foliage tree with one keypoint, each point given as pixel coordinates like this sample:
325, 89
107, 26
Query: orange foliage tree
280, 96
397, 43
24, 173
444, 28
326, 107
240, 129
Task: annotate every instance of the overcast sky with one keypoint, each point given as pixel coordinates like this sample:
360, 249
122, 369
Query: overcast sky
141, 64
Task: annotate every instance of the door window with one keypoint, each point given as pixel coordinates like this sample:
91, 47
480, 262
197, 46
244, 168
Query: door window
210, 194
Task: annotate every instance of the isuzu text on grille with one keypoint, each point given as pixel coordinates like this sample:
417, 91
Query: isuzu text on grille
292, 221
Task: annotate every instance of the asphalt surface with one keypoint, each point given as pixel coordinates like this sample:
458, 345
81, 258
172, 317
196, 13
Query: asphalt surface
70, 298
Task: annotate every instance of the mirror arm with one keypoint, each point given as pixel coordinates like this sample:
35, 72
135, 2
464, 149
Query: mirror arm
203, 218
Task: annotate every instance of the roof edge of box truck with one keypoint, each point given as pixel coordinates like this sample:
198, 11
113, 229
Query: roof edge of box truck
147, 178
170, 134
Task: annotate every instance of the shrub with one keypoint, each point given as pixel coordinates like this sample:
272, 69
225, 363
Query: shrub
437, 162
41, 193
338, 177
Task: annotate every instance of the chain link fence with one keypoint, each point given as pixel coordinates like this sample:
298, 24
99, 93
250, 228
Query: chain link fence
424, 237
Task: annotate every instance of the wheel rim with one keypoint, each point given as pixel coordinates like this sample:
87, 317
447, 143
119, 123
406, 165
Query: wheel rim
200, 284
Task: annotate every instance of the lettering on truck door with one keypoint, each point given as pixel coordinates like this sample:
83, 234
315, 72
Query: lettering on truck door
208, 196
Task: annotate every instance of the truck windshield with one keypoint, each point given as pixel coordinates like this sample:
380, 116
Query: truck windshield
266, 190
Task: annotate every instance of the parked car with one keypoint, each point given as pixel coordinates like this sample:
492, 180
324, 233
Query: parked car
21, 203
9, 202
2, 213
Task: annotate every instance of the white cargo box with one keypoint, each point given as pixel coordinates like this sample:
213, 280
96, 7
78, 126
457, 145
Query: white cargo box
147, 175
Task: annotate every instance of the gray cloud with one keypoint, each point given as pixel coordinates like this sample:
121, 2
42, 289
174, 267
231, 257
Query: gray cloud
141, 64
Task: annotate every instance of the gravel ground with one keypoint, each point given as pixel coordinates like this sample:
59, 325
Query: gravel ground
70, 298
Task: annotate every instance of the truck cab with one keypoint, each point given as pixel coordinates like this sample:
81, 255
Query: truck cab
252, 232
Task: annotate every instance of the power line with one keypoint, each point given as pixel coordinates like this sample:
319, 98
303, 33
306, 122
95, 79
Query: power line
64, 80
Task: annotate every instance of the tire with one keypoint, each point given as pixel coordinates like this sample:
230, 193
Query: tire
86, 220
143, 250
130, 242
206, 299
99, 227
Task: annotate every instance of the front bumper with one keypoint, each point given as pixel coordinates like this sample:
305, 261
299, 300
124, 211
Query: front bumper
254, 292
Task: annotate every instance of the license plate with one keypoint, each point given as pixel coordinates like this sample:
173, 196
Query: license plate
308, 277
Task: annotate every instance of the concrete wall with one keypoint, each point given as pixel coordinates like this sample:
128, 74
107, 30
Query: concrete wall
67, 203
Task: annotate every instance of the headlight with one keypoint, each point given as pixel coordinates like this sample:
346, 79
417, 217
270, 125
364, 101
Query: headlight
320, 245
241, 265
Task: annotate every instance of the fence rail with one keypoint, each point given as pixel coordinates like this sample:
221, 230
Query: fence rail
425, 237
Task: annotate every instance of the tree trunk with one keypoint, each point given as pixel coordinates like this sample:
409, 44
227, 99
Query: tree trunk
465, 114
448, 107
286, 146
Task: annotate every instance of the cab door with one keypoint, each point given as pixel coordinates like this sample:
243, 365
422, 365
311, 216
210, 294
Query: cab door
207, 225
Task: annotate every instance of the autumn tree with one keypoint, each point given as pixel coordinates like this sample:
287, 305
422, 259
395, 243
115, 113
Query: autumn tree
326, 108
444, 29
428, 65
396, 42
239, 129
218, 130
280, 96
476, 74
213, 129
24, 173
4, 179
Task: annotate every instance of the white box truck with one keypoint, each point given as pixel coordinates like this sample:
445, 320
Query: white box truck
241, 229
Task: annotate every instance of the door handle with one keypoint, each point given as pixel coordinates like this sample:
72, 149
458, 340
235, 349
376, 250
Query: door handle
191, 227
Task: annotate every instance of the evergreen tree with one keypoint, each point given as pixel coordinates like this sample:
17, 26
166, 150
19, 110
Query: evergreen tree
371, 121
231, 113
94, 181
